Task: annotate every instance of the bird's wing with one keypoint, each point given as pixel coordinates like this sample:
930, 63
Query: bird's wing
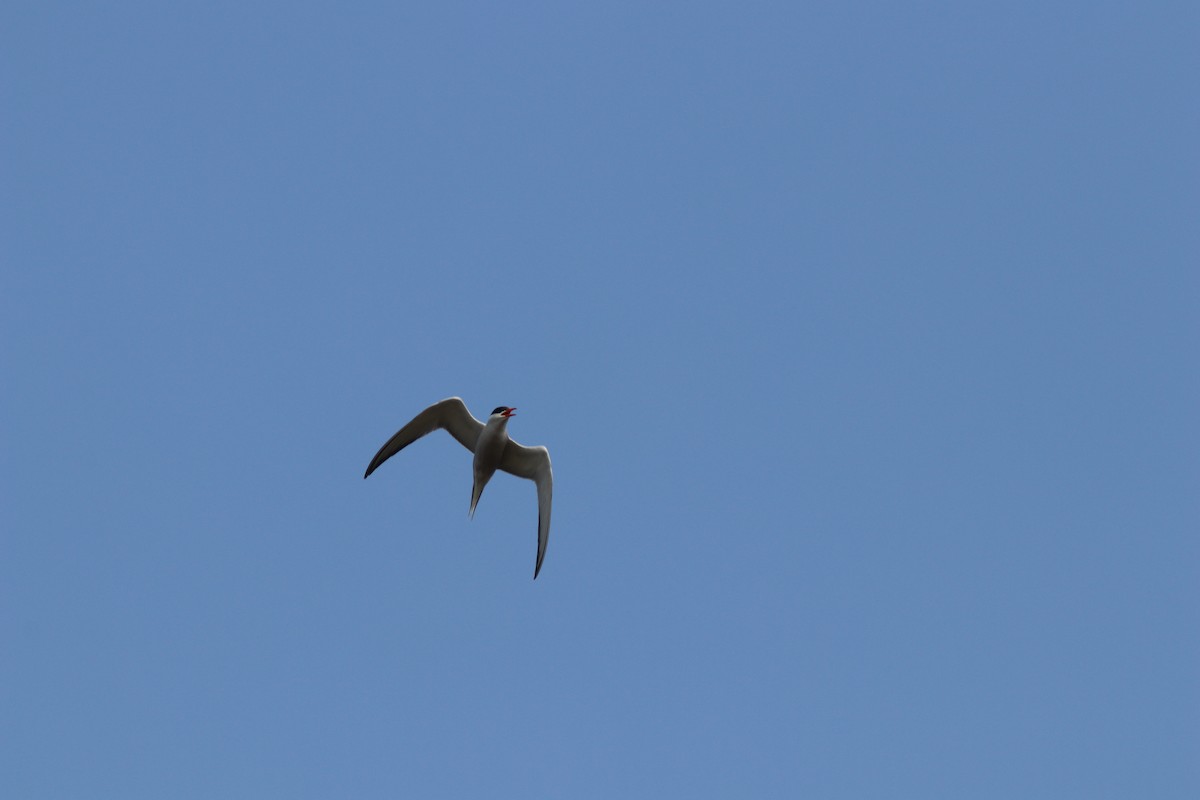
533, 463
450, 414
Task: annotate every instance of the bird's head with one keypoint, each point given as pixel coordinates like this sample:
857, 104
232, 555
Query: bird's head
503, 412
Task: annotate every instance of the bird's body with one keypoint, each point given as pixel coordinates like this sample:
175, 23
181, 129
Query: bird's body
493, 451
489, 450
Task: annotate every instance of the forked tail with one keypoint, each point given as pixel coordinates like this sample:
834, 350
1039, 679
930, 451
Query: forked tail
476, 491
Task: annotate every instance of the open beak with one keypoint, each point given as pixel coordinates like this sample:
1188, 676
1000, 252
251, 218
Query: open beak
510, 412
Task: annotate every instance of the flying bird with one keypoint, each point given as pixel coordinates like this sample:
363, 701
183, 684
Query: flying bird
493, 450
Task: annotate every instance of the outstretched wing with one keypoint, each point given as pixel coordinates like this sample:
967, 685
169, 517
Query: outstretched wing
450, 414
533, 463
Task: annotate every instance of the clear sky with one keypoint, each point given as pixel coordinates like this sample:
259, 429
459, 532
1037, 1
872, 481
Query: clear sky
863, 337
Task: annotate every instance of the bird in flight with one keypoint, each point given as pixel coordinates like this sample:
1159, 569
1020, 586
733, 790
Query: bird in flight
493, 450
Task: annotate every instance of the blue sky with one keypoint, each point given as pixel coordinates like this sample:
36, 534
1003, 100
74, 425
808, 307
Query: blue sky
863, 338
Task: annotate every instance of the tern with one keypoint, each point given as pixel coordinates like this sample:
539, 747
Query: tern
493, 450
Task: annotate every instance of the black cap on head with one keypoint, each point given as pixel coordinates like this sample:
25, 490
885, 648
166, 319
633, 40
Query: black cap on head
499, 409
